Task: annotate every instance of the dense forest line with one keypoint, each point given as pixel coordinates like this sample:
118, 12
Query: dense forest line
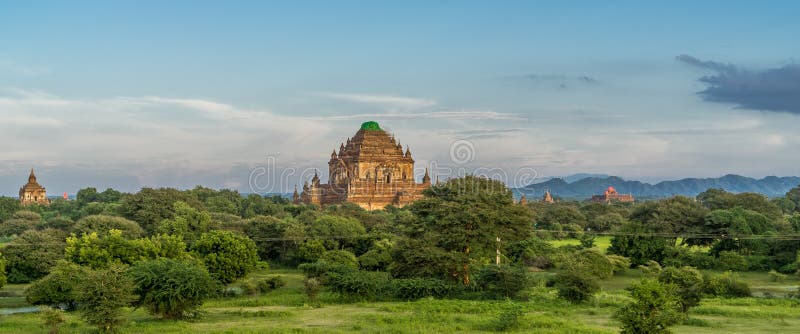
168, 250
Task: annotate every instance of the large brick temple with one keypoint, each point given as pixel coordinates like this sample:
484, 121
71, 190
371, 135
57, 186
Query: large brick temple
370, 170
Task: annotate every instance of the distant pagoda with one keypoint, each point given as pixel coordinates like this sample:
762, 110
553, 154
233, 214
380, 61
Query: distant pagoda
32, 192
370, 170
612, 196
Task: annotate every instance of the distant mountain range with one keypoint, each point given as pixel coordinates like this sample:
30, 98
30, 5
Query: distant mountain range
585, 187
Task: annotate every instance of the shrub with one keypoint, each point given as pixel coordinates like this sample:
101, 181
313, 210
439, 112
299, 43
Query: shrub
501, 281
776, 276
533, 252
591, 262
727, 260
227, 255
727, 285
264, 230
103, 223
653, 309
248, 287
31, 255
270, 283
52, 318
58, 223
688, 284
58, 287
340, 257
310, 250
652, 268
311, 287
172, 288
321, 268
508, 317
619, 263
102, 295
359, 284
378, 257
19, 222
575, 286
633, 244
415, 288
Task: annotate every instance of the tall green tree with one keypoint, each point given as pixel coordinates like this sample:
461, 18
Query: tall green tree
639, 242
227, 255
187, 222
150, 206
464, 217
8, 206
32, 254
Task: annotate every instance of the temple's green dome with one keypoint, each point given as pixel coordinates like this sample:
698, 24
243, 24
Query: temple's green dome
370, 126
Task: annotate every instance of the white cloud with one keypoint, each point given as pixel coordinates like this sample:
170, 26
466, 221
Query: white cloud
452, 115
386, 101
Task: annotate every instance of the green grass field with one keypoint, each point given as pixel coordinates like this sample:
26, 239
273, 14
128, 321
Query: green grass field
287, 310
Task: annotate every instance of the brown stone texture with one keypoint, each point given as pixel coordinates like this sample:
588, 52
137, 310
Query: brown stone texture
370, 170
32, 192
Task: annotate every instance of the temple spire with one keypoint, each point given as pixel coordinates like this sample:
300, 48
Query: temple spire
32, 177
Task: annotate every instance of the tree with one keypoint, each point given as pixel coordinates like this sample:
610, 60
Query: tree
501, 281
187, 222
464, 217
678, 214
8, 206
606, 222
3, 278
738, 222
688, 284
794, 196
591, 262
20, 222
171, 288
101, 224
102, 295
98, 251
561, 215
635, 242
150, 206
267, 232
575, 286
336, 231
58, 288
378, 257
32, 254
227, 255
786, 205
653, 309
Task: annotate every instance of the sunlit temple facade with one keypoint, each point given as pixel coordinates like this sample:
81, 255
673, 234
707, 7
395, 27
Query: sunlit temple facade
32, 192
370, 170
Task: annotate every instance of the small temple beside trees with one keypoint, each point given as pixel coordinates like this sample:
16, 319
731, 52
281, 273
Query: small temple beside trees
32, 192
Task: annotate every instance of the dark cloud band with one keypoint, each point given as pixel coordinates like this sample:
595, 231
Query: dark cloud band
776, 90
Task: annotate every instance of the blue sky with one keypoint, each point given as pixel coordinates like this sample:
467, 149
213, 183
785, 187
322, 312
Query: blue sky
178, 93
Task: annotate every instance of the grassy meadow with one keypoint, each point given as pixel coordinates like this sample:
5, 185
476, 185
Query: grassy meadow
287, 310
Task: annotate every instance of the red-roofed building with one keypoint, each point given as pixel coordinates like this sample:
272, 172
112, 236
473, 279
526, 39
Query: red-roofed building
611, 195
